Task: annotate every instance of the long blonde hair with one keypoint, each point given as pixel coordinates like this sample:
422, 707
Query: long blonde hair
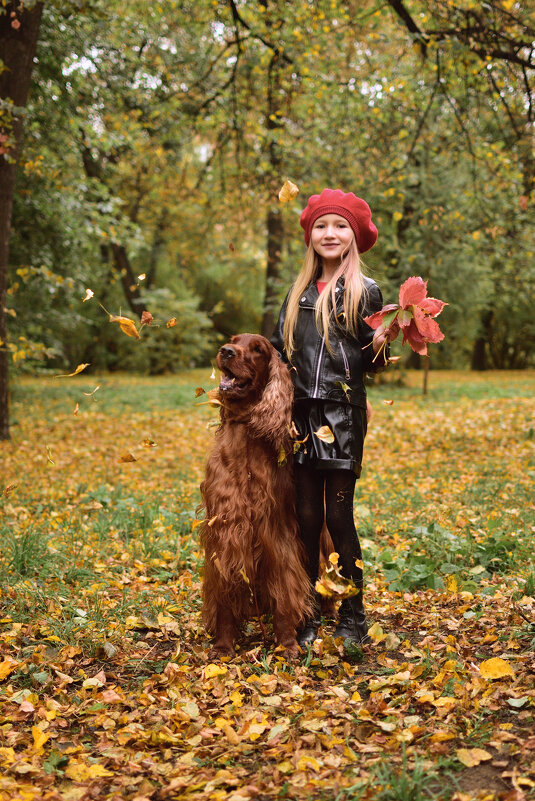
325, 308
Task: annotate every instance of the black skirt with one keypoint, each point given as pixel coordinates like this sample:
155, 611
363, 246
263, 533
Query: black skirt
348, 425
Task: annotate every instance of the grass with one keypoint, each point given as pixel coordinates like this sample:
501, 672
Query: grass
99, 568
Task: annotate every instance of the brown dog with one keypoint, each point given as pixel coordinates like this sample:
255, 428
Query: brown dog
253, 554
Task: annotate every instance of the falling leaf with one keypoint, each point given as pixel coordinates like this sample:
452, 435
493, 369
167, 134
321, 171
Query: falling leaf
141, 277
128, 457
388, 402
470, 757
496, 668
212, 374
146, 317
8, 490
325, 434
171, 323
394, 359
199, 391
231, 247
76, 409
88, 295
49, 455
149, 443
288, 191
126, 325
89, 394
78, 370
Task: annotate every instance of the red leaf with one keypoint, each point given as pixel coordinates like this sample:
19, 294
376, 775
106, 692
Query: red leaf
375, 320
432, 306
412, 291
146, 318
415, 339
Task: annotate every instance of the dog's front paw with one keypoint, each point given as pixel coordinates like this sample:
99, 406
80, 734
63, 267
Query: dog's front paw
220, 650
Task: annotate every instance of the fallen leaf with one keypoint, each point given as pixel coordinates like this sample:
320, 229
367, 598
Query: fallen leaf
470, 757
8, 490
496, 668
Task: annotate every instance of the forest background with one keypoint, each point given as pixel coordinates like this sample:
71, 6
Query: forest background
155, 138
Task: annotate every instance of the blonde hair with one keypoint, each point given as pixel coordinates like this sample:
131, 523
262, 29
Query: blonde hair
325, 308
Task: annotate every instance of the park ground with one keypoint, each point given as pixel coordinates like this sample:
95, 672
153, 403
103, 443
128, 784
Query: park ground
106, 687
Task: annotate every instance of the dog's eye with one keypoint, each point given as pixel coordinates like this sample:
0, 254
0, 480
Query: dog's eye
257, 349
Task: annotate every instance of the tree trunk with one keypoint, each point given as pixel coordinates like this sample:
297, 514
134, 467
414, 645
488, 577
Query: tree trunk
18, 41
275, 235
479, 351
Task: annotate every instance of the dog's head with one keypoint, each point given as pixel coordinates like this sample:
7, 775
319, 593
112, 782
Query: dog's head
256, 381
244, 363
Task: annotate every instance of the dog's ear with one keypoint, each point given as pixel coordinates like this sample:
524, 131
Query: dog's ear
272, 415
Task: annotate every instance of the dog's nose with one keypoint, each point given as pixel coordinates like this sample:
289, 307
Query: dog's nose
227, 352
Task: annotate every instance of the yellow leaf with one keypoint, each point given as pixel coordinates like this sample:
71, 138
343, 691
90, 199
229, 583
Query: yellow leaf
333, 558
79, 772
397, 216
214, 670
148, 443
171, 323
451, 584
9, 489
308, 762
325, 434
6, 667
496, 668
470, 757
126, 325
39, 738
376, 633
78, 370
288, 191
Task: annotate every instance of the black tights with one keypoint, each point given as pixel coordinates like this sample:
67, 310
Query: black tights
328, 494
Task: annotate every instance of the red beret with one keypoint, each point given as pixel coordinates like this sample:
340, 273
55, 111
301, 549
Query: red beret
352, 208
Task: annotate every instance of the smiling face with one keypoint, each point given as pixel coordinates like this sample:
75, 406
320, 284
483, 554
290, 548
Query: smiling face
244, 365
331, 237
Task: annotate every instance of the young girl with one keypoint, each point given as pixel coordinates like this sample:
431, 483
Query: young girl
322, 335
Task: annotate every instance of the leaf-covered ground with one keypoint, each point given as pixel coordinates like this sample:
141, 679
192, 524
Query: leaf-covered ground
106, 689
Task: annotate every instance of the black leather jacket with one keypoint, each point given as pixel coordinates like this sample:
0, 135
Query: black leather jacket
336, 376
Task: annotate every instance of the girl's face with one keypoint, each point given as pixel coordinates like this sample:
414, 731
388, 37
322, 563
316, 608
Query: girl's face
331, 237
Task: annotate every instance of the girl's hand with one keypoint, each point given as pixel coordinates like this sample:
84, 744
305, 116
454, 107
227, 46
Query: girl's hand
381, 337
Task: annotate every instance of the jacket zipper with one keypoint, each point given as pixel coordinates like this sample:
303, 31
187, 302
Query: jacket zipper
316, 385
346, 363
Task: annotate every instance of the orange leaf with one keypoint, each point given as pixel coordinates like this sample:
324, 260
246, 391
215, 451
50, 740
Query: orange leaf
288, 191
171, 323
127, 457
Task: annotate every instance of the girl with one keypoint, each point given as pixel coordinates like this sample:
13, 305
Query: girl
321, 334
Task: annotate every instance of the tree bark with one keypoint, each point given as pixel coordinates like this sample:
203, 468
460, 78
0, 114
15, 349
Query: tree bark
18, 42
275, 236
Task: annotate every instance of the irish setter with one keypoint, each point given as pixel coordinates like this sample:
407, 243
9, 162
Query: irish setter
253, 554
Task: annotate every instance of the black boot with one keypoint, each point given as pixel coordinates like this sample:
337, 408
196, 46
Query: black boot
352, 620
309, 630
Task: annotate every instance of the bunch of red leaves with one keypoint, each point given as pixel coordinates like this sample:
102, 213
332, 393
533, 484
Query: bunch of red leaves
413, 316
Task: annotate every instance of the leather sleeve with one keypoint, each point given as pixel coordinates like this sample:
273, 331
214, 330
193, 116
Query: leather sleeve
276, 338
